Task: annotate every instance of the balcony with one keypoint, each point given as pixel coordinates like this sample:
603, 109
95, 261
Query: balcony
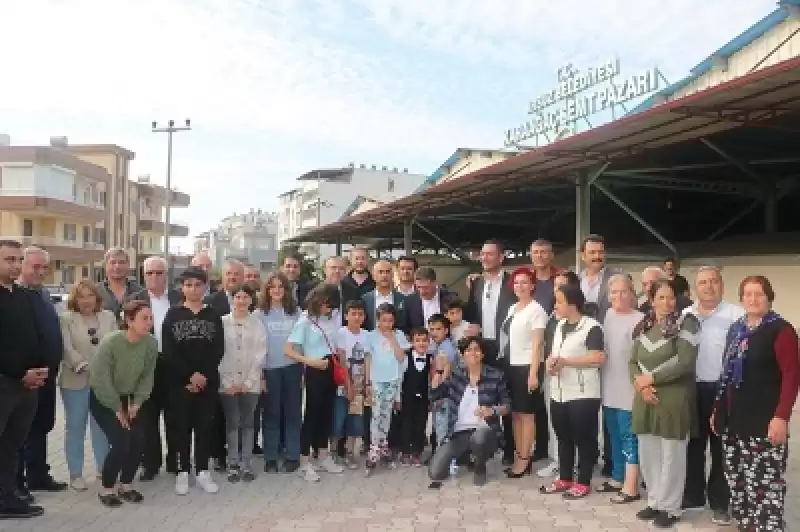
66, 250
25, 203
177, 229
159, 194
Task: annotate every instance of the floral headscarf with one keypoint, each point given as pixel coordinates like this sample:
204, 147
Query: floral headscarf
670, 328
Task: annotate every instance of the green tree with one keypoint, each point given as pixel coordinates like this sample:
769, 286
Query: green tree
307, 268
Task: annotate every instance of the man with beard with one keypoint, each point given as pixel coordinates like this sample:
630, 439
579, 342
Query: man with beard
359, 277
292, 263
335, 274
23, 369
490, 297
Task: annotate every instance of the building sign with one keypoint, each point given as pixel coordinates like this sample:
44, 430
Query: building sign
579, 95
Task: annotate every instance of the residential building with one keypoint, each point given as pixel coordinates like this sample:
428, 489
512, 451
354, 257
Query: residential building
250, 237
57, 201
324, 196
152, 200
465, 161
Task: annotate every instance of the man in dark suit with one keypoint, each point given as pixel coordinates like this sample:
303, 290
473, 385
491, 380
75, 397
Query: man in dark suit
490, 297
384, 293
291, 269
652, 274
221, 301
359, 276
160, 298
426, 301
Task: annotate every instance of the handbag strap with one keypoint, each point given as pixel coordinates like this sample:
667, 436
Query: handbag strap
325, 336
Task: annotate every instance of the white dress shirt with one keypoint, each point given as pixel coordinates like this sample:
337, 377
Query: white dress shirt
159, 305
591, 288
381, 299
711, 338
491, 297
430, 306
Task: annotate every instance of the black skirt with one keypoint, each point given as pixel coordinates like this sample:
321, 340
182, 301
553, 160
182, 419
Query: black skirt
523, 401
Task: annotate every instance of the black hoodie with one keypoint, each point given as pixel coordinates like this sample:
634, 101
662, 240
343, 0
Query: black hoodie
193, 343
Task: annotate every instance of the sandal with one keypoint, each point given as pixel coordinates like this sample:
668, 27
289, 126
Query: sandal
577, 491
130, 496
625, 498
110, 500
607, 487
557, 486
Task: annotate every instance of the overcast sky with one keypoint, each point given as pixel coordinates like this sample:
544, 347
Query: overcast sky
278, 87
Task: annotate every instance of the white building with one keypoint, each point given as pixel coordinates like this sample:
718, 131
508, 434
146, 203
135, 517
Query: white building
250, 237
324, 196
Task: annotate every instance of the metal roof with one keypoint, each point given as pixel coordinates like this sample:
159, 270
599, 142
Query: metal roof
745, 101
326, 174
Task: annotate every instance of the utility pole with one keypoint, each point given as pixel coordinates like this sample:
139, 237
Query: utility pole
169, 130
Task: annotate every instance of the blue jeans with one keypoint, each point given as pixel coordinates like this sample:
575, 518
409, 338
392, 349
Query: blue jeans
76, 412
284, 395
624, 444
345, 424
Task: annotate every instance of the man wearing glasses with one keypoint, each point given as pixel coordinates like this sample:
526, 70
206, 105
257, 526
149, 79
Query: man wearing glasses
160, 300
33, 472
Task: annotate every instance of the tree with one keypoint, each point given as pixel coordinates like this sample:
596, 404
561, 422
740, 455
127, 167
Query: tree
307, 268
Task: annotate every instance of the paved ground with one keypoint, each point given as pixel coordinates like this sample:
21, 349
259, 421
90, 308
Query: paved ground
389, 501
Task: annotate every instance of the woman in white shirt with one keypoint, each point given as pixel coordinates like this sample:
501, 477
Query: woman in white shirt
618, 326
574, 372
241, 380
522, 335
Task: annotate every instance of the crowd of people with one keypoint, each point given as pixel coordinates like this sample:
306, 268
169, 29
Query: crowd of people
351, 372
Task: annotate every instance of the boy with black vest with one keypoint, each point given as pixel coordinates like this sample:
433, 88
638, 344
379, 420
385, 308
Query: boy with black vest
416, 383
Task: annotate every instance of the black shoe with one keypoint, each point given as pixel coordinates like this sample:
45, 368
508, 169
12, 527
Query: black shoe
480, 478
18, 509
24, 495
132, 496
48, 484
270, 466
148, 475
257, 450
692, 505
647, 514
110, 501
721, 518
290, 466
664, 520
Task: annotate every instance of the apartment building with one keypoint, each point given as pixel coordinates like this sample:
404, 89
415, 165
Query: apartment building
56, 201
250, 237
151, 220
324, 196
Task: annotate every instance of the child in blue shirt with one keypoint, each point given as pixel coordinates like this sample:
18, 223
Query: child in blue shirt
441, 344
387, 347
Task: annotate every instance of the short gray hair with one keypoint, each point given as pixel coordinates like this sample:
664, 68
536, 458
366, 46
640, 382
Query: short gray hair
33, 250
115, 251
621, 277
233, 263
662, 275
151, 260
709, 268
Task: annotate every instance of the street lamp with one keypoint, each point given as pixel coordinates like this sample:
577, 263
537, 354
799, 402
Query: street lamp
169, 130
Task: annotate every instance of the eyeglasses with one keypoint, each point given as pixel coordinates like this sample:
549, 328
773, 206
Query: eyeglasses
155, 272
93, 336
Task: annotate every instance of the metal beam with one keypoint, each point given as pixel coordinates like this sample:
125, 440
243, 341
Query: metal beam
597, 173
727, 225
621, 204
452, 249
701, 166
408, 242
679, 183
456, 218
741, 165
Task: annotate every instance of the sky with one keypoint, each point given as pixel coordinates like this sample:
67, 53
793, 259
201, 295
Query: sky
275, 88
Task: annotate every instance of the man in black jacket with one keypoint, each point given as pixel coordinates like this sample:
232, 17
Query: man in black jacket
33, 472
160, 299
292, 264
23, 369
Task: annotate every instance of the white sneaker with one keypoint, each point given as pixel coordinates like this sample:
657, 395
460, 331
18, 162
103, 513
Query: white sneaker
182, 483
548, 471
78, 484
205, 481
329, 465
307, 473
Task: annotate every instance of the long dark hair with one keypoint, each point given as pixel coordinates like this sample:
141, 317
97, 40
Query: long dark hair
321, 294
287, 302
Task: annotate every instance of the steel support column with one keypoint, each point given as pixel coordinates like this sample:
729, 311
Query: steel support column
621, 204
338, 246
452, 249
582, 214
408, 242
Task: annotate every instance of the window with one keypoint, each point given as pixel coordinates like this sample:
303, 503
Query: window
391, 185
85, 272
87, 233
149, 242
68, 275
74, 191
103, 199
265, 266
100, 236
70, 232
141, 243
58, 264
27, 227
